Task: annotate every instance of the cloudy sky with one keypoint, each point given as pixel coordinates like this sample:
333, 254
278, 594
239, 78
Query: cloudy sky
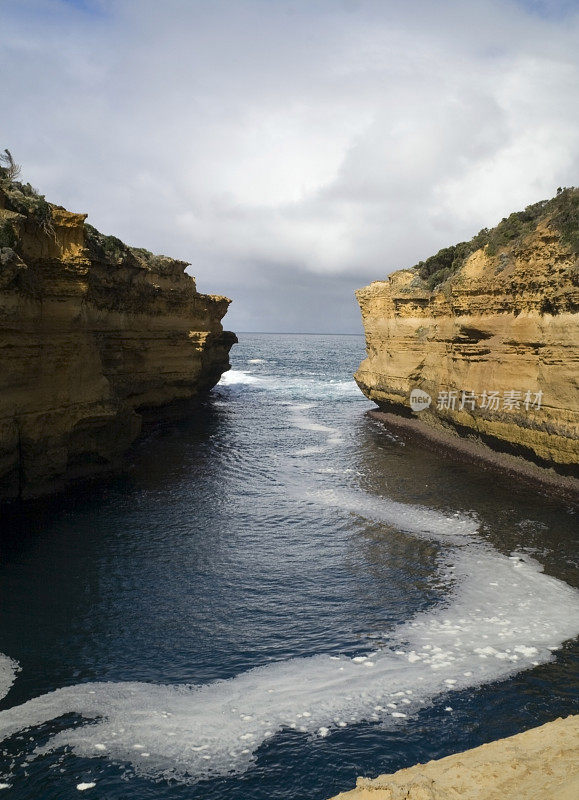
292, 150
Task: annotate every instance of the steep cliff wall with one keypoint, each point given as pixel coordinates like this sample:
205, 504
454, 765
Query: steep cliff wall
495, 344
92, 333
540, 763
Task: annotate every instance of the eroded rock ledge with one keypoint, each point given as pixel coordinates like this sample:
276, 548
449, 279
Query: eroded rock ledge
502, 328
540, 764
92, 334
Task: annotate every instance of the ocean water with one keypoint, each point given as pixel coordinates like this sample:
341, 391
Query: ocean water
276, 597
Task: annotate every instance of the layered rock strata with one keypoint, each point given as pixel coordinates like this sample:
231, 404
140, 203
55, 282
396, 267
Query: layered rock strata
495, 347
539, 764
92, 334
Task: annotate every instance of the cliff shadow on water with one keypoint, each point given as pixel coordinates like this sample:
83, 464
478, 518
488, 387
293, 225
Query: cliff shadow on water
94, 336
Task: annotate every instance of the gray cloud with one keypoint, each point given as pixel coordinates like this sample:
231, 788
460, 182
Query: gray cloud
292, 151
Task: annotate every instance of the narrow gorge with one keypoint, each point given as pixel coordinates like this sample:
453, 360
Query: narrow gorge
94, 336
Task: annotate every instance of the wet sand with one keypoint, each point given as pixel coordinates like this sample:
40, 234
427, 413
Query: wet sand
475, 452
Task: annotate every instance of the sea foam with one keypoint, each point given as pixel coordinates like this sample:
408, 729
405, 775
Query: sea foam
8, 670
235, 376
284, 386
501, 615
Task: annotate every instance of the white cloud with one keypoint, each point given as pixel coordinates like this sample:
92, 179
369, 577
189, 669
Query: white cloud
281, 146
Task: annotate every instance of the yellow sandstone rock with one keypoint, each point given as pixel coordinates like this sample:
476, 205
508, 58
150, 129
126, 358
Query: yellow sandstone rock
92, 334
539, 764
495, 345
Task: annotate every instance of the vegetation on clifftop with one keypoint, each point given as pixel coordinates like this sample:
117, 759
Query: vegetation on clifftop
561, 213
23, 199
111, 250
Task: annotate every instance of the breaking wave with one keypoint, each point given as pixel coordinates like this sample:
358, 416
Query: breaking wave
309, 388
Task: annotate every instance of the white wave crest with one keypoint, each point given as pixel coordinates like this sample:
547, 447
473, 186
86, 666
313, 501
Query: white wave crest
235, 376
302, 421
303, 387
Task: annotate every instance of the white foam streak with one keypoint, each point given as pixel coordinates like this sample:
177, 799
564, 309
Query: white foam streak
8, 670
300, 420
418, 520
502, 615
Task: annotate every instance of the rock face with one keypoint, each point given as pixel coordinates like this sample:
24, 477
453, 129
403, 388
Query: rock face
92, 334
540, 764
495, 344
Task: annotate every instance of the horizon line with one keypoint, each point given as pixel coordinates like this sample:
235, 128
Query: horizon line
300, 333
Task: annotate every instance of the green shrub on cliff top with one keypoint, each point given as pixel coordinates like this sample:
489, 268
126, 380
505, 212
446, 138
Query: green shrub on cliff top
566, 217
562, 213
25, 199
105, 248
111, 250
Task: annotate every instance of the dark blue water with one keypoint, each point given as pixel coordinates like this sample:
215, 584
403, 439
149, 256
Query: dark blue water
239, 539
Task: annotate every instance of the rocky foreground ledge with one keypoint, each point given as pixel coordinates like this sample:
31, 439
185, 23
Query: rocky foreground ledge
540, 764
93, 335
484, 337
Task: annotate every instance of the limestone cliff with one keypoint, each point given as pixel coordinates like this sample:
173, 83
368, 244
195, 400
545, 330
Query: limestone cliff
489, 330
539, 764
92, 334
